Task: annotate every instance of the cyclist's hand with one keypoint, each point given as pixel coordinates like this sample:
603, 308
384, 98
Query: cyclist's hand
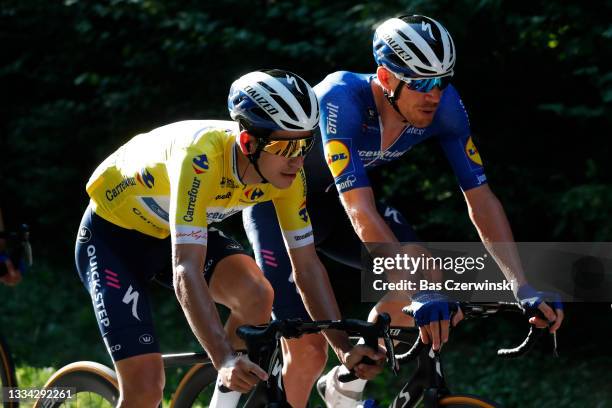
352, 360
240, 374
432, 311
548, 303
12, 276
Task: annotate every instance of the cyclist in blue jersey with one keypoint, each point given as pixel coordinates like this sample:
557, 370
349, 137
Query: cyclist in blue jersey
368, 120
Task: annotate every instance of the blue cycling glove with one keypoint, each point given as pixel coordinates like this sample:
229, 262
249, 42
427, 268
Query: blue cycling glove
431, 306
530, 298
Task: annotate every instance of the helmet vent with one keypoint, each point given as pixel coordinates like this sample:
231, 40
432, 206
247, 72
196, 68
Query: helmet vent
277, 98
290, 125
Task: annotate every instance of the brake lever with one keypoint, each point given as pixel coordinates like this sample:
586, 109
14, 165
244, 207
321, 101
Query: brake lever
391, 352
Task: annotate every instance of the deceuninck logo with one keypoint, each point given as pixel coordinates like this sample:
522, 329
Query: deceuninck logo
472, 152
337, 156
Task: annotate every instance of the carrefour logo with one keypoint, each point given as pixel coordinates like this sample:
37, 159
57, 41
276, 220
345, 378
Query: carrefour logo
472, 152
145, 178
200, 164
337, 156
303, 212
253, 193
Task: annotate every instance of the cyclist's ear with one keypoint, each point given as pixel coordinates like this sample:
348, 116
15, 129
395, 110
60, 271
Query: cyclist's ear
386, 78
245, 141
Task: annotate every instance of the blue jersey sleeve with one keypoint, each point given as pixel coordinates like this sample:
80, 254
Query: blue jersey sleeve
341, 123
453, 132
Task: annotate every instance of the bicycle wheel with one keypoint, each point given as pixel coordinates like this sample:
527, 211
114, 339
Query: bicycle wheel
466, 401
196, 387
7, 372
94, 384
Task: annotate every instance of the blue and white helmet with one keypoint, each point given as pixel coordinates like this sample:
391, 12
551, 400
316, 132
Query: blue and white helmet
273, 99
414, 47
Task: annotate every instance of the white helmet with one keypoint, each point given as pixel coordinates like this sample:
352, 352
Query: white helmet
414, 47
274, 100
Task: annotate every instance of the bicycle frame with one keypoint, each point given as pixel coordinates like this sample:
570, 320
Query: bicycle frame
427, 381
270, 392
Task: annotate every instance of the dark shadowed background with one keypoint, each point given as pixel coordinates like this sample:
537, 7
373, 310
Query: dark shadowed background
79, 78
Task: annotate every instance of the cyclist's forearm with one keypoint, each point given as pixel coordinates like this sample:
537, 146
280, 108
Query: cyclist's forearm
369, 225
494, 230
199, 308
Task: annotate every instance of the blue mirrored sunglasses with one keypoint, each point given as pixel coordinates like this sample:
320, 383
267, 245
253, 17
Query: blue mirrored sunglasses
426, 85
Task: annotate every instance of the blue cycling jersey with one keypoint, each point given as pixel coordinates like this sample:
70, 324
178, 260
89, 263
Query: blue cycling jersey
351, 134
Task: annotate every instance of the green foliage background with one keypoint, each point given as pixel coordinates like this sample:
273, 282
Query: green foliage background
78, 78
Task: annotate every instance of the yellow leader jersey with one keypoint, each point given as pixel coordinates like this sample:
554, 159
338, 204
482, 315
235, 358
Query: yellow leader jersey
177, 179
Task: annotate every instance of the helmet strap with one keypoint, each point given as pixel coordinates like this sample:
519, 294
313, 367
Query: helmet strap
254, 159
244, 144
393, 97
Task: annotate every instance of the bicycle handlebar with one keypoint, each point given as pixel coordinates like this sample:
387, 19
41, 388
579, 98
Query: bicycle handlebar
294, 328
480, 310
258, 336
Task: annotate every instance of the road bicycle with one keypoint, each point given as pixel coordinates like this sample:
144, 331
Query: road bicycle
95, 385
20, 253
427, 385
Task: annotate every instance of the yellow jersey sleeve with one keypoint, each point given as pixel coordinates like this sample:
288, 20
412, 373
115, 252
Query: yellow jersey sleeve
192, 172
290, 206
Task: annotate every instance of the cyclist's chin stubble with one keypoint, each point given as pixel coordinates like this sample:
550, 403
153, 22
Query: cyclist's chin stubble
417, 118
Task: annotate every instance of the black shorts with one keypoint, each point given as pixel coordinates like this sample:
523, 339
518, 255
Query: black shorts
115, 265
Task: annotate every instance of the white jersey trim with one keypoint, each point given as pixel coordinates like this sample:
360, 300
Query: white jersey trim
185, 234
299, 238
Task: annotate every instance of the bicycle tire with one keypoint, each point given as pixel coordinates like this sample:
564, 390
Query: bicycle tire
88, 379
466, 401
197, 379
7, 372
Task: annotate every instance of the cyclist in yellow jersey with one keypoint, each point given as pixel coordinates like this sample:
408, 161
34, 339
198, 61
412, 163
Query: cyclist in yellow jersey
156, 196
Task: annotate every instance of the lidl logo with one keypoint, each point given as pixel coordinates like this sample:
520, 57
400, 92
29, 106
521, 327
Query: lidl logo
200, 164
337, 156
253, 193
303, 212
145, 178
472, 152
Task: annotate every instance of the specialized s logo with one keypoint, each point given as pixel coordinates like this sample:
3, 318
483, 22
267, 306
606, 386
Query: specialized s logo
253, 193
130, 296
472, 152
293, 81
337, 156
200, 164
145, 178
303, 212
